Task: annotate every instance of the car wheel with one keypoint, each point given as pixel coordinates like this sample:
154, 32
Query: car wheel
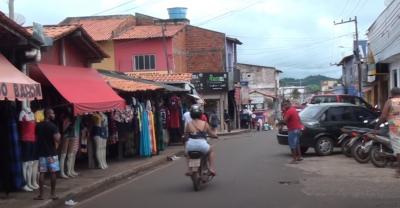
324, 146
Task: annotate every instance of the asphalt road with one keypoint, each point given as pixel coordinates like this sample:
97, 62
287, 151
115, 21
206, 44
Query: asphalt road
253, 171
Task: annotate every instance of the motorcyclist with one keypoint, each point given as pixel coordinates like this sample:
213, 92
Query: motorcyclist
196, 132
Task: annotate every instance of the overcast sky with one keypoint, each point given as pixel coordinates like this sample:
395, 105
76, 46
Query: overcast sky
295, 36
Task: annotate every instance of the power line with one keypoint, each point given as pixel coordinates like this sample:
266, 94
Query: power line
112, 8
351, 11
229, 12
308, 45
344, 8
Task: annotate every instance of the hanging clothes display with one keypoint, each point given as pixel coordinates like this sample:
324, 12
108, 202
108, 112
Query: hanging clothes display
164, 122
123, 119
152, 131
145, 140
10, 150
174, 119
159, 130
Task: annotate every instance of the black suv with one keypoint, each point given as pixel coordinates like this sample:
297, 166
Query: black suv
322, 124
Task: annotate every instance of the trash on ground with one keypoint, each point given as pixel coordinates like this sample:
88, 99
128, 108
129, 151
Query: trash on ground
71, 202
173, 158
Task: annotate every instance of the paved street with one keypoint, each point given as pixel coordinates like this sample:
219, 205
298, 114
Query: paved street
253, 172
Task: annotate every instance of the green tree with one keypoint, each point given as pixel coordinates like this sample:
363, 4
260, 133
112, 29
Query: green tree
295, 94
313, 88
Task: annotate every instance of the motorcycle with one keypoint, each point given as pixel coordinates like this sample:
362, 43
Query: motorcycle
361, 148
381, 153
199, 167
351, 137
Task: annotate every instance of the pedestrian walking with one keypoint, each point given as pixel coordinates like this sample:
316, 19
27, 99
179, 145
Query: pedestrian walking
391, 114
294, 125
48, 137
227, 120
214, 120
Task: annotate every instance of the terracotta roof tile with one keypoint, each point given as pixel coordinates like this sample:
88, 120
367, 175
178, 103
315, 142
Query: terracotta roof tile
129, 85
149, 31
56, 31
161, 76
99, 27
59, 31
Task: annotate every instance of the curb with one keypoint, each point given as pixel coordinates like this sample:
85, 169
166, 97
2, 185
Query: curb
75, 193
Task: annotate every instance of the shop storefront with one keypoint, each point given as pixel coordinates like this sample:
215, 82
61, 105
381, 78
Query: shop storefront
15, 86
213, 88
152, 118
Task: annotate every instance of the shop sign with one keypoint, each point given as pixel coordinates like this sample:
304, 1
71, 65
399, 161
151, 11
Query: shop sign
237, 95
210, 82
13, 91
255, 99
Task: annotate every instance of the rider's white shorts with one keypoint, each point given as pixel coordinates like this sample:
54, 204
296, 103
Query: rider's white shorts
200, 145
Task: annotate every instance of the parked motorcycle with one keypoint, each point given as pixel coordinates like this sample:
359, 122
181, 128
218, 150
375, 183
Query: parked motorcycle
351, 137
199, 167
381, 153
361, 148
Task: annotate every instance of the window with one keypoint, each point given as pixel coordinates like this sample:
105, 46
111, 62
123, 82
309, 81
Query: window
363, 114
394, 78
145, 62
338, 114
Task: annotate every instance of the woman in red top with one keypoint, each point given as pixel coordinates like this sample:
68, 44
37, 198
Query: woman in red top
293, 123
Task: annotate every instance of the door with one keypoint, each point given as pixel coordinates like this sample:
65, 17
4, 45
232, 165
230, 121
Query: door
335, 118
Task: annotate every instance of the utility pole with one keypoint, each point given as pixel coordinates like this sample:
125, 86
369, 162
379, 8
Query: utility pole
356, 51
11, 9
163, 29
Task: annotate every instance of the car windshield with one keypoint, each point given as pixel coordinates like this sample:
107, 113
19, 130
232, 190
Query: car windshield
310, 112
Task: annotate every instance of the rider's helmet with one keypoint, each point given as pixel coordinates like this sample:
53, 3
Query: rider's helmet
195, 112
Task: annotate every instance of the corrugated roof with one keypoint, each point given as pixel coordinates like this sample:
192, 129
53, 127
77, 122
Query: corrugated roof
161, 76
149, 31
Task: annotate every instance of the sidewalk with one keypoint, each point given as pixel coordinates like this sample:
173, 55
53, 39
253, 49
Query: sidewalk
92, 180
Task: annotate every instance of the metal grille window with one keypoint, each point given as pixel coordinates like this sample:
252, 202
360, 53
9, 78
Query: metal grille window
145, 62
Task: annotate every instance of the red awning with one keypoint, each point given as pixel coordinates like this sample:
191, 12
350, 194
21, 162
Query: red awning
84, 88
16, 85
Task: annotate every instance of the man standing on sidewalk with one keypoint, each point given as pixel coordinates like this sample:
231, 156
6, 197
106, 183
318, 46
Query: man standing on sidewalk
227, 120
48, 137
294, 125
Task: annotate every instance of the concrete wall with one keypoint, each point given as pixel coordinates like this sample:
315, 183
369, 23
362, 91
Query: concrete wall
74, 56
107, 63
258, 77
126, 50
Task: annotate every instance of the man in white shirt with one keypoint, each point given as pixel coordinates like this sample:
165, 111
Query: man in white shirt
186, 117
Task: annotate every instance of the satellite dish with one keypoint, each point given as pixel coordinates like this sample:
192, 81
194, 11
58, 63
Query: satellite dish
18, 18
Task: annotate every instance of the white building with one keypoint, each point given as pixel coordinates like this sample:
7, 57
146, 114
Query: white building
287, 93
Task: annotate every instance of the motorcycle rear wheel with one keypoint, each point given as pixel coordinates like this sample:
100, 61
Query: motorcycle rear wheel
376, 158
346, 150
196, 181
358, 153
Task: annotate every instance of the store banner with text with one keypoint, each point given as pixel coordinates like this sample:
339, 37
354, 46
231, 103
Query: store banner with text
13, 91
